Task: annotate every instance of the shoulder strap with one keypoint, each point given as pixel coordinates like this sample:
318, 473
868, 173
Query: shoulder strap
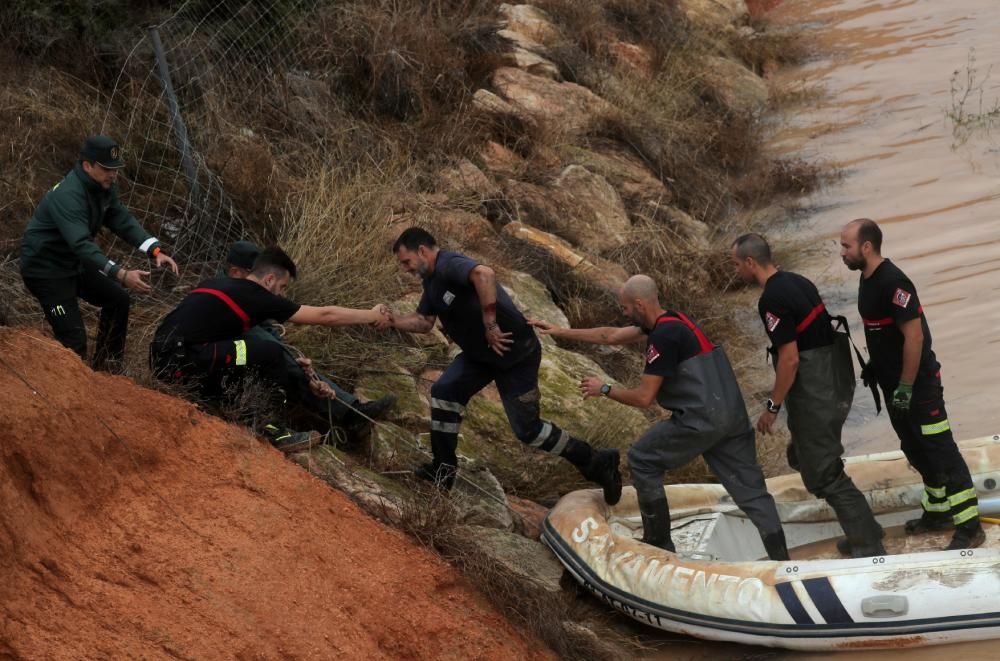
704, 344
222, 296
867, 378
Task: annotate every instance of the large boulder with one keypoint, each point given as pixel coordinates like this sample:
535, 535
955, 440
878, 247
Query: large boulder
381, 484
557, 210
530, 61
525, 562
735, 86
531, 22
568, 106
626, 172
533, 299
565, 270
465, 179
593, 192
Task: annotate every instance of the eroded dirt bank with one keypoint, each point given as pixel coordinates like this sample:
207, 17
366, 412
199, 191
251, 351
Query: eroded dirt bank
168, 533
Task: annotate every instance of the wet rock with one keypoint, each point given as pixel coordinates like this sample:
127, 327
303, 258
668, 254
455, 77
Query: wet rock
735, 86
567, 105
593, 192
528, 563
529, 516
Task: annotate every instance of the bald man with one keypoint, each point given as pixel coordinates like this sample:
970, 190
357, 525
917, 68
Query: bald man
691, 377
907, 371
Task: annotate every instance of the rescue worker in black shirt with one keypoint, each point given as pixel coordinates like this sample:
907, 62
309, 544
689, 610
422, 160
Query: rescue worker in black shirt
814, 379
60, 261
691, 377
317, 395
206, 339
907, 371
497, 346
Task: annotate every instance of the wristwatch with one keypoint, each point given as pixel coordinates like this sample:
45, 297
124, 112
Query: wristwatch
606, 389
772, 407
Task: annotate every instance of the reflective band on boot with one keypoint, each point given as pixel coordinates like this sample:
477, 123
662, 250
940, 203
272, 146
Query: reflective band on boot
446, 427
445, 405
551, 439
965, 515
935, 500
935, 428
241, 352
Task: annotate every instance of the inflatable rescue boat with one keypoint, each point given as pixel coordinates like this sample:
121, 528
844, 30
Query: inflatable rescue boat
717, 586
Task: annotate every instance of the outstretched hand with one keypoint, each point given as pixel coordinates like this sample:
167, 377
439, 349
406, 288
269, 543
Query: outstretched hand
544, 327
133, 279
162, 259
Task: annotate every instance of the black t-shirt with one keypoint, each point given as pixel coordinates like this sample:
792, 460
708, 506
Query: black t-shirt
239, 305
451, 297
669, 344
885, 300
791, 309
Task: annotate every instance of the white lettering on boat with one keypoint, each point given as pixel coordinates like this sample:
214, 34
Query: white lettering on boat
581, 533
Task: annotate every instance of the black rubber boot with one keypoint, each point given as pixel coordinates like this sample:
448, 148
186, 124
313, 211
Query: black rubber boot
967, 536
929, 522
440, 475
848, 550
863, 533
603, 469
774, 544
656, 522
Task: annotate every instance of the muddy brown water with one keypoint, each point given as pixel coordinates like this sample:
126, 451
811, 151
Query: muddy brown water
885, 80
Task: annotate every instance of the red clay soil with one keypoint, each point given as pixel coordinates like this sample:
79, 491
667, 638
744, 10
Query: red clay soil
188, 538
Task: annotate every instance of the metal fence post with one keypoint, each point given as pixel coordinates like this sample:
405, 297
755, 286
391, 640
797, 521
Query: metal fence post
177, 126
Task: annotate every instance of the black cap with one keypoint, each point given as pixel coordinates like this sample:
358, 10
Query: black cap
243, 254
102, 150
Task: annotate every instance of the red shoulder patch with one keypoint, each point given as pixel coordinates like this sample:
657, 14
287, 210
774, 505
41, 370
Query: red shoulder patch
902, 298
651, 354
771, 321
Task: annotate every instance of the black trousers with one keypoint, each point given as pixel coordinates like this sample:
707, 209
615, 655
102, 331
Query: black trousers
58, 298
216, 367
925, 438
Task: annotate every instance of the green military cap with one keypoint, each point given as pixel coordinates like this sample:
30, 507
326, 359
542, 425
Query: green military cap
102, 150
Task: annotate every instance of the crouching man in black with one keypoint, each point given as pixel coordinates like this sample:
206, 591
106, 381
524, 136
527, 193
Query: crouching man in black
206, 340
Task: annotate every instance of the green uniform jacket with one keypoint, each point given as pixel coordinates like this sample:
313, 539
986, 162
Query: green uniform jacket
59, 240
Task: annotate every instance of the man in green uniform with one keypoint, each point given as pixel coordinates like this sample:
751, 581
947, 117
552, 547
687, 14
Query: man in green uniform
60, 261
